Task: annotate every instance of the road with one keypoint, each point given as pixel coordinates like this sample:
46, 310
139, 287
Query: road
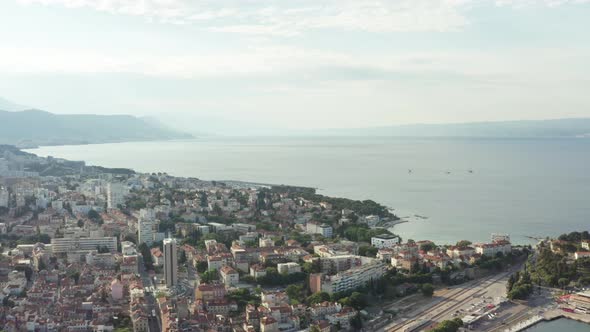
154, 322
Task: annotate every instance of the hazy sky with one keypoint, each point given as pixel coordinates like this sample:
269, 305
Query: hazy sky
299, 63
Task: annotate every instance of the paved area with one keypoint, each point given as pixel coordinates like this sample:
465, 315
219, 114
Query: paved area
474, 298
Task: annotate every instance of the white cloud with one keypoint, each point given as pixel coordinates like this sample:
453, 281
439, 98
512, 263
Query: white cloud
528, 3
286, 18
289, 18
286, 63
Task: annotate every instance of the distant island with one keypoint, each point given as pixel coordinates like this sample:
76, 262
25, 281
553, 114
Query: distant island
31, 128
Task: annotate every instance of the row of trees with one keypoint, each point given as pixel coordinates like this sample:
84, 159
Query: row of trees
274, 278
519, 286
361, 232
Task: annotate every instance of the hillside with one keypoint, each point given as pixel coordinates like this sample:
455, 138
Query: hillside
33, 127
7, 105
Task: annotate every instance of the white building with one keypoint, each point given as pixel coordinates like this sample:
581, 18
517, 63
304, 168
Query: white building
146, 226
384, 241
65, 245
243, 228
456, 252
170, 263
492, 249
288, 268
128, 248
581, 254
229, 276
149, 214
322, 229
115, 195
4, 197
350, 279
265, 242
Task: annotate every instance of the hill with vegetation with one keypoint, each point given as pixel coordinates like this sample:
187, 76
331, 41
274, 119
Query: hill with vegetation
33, 128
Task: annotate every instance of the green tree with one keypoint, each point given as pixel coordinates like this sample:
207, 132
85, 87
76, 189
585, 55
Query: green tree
448, 326
209, 276
357, 300
201, 266
563, 282
314, 267
427, 290
368, 251
295, 292
463, 243
182, 257
318, 298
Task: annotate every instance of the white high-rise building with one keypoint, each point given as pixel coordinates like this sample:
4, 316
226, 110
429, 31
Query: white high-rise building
170, 263
146, 232
147, 214
4, 197
115, 195
146, 224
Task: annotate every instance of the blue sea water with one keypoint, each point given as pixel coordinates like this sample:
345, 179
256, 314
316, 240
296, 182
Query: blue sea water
518, 186
560, 325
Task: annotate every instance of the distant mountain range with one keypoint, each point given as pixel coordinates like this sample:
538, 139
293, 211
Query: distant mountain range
558, 128
33, 128
7, 105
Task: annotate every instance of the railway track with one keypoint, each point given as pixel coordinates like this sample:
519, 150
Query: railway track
458, 296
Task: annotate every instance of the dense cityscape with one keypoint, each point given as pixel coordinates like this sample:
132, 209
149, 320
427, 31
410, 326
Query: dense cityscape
95, 249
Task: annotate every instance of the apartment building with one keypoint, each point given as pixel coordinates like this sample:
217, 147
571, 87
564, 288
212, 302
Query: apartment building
384, 241
65, 245
353, 278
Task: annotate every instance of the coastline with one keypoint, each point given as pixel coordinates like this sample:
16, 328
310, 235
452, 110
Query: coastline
550, 316
303, 163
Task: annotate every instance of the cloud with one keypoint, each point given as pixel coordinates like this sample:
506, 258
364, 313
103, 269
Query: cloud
291, 18
294, 63
528, 3
286, 18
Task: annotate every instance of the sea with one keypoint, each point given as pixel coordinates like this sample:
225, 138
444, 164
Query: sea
559, 325
447, 189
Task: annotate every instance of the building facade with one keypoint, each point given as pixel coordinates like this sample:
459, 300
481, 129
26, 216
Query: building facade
65, 245
170, 263
146, 230
115, 195
384, 241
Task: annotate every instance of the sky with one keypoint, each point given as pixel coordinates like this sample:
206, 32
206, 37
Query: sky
235, 65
